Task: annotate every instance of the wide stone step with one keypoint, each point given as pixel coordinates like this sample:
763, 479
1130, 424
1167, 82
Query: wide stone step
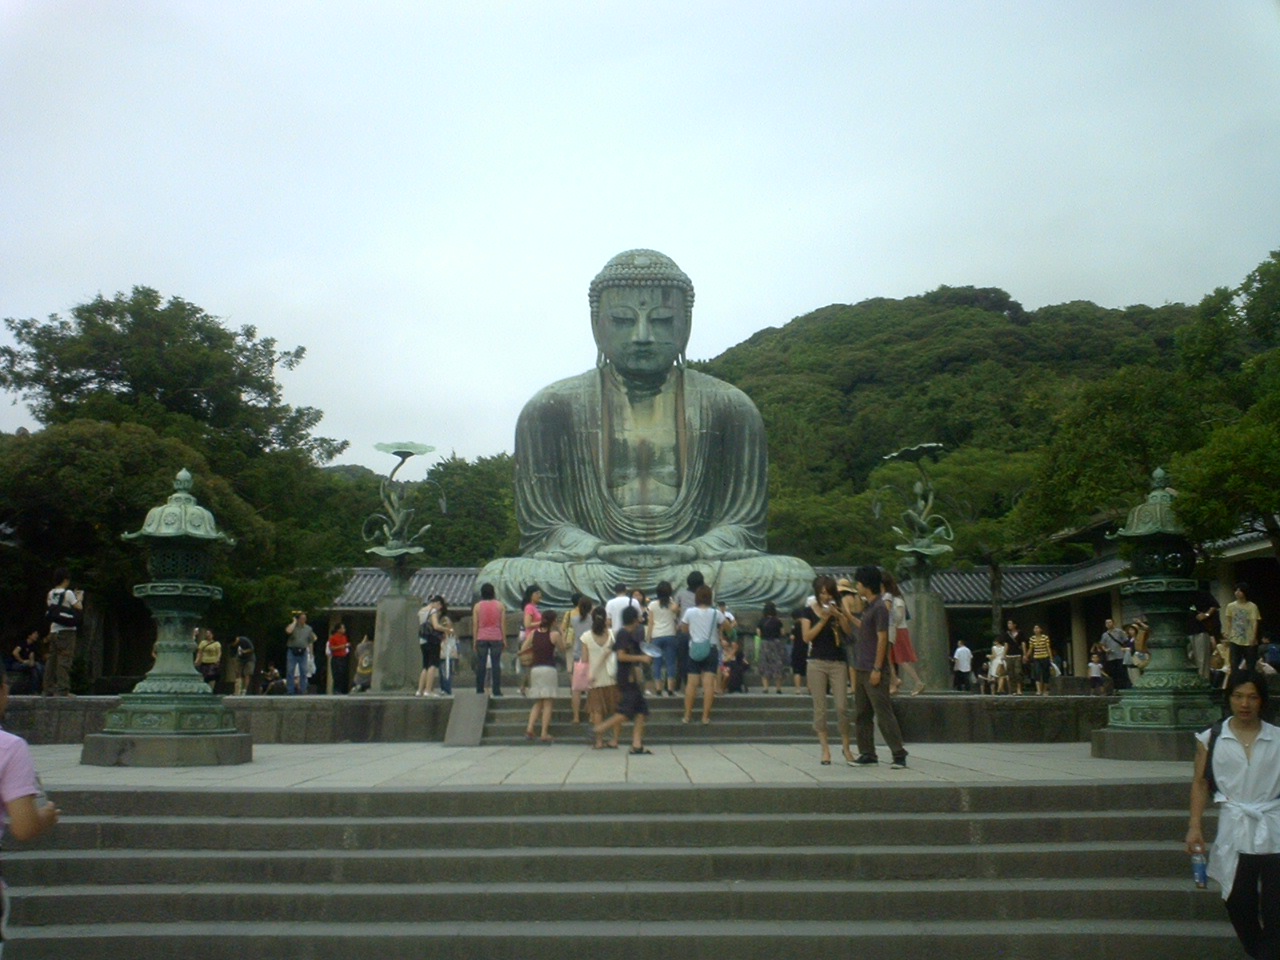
760, 900
603, 830
866, 797
788, 717
599, 864
529, 938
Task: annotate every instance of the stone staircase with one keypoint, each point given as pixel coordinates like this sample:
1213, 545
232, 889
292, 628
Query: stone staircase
892, 872
788, 718
784, 718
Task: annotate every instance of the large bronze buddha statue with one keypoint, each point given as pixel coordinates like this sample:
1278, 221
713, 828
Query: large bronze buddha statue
641, 470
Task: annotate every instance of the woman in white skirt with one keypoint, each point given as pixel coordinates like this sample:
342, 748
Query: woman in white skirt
543, 679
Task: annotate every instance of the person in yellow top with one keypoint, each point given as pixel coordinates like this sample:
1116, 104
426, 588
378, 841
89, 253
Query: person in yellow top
1041, 658
1240, 628
209, 658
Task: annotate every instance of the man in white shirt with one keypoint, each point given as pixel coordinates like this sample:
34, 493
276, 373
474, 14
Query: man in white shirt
621, 600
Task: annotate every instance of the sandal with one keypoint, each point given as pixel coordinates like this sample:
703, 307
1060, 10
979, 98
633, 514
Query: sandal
642, 751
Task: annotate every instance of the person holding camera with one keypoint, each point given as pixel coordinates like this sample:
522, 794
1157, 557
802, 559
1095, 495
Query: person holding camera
63, 611
301, 637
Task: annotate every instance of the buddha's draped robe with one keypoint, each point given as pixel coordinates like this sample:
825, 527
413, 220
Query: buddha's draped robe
713, 495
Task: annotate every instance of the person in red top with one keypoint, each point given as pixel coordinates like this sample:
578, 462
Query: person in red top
339, 656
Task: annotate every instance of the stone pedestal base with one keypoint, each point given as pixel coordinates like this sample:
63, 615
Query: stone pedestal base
397, 659
166, 750
930, 637
1112, 744
168, 730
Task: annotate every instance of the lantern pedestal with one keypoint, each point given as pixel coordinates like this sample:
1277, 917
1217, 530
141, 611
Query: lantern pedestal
172, 718
1157, 717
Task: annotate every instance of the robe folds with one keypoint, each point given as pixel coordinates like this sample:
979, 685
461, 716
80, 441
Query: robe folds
566, 512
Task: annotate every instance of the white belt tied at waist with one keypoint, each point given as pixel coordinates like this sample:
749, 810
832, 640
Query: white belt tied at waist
1243, 827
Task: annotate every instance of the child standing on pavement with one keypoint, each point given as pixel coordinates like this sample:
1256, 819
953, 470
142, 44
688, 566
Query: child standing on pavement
1096, 679
631, 702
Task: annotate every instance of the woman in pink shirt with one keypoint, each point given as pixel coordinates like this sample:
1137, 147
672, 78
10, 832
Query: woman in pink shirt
488, 623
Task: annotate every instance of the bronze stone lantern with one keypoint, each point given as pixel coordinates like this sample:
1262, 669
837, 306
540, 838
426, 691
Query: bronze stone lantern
172, 718
1155, 719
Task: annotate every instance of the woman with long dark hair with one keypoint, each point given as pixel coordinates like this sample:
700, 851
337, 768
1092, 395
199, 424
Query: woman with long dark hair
602, 701
488, 623
826, 630
661, 630
704, 623
902, 655
543, 679
580, 684
773, 649
430, 642
531, 617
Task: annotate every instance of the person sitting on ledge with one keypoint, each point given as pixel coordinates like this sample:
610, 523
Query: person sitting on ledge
641, 470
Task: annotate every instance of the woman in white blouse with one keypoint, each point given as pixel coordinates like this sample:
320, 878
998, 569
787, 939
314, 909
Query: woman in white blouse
1245, 770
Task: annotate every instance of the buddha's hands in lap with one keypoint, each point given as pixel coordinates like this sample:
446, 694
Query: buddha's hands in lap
646, 556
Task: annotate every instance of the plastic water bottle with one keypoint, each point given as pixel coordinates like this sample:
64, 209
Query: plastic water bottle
42, 798
1200, 869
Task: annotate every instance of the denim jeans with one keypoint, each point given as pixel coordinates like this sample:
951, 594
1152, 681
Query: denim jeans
666, 664
489, 656
295, 670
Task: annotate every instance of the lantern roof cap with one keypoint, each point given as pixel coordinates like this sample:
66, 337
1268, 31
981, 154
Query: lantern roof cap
180, 516
1154, 517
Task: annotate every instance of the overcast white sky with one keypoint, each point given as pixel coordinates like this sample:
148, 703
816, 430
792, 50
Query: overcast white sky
420, 192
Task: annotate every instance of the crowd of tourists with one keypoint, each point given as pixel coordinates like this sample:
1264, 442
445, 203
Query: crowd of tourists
850, 641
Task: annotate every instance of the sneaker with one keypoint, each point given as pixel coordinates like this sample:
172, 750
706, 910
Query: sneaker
865, 760
899, 763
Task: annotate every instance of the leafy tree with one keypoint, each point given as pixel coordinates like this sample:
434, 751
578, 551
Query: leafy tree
170, 366
1260, 293
1232, 482
1105, 445
479, 519
69, 492
1233, 479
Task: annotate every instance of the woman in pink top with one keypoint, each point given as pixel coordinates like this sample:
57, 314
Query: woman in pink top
488, 623
532, 619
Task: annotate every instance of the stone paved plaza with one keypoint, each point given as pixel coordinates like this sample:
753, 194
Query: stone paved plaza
431, 765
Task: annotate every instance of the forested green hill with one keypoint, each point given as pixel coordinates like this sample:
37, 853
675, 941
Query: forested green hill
966, 367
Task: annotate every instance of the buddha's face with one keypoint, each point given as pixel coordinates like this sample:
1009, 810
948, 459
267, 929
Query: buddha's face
642, 330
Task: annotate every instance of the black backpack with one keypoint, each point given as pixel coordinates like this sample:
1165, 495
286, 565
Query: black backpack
1214, 732
61, 615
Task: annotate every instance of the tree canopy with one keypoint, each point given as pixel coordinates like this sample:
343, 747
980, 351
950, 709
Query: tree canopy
966, 367
168, 365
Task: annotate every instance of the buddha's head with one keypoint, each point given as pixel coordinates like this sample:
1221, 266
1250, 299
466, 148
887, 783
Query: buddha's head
641, 304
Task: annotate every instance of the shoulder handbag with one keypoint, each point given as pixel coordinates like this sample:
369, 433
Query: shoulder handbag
526, 651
